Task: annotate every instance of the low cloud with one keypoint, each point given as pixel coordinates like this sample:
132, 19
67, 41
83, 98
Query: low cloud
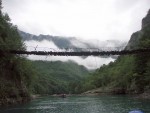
89, 62
41, 46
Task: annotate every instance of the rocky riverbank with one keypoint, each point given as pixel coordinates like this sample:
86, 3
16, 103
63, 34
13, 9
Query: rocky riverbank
115, 91
105, 91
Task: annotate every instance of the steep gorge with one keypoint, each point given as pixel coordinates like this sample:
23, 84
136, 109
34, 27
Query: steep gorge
129, 73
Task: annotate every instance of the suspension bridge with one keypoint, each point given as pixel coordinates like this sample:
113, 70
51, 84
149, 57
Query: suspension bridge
107, 51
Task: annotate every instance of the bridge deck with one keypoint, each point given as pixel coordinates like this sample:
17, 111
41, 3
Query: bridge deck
81, 53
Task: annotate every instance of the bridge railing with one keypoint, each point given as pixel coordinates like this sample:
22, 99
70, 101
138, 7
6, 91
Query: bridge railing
74, 51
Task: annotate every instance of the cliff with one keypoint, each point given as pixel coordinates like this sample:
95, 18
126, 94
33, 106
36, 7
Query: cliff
146, 20
135, 38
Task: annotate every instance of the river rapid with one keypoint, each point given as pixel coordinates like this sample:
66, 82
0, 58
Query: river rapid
81, 104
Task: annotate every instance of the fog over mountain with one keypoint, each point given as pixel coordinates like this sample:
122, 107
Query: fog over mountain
71, 42
57, 43
77, 24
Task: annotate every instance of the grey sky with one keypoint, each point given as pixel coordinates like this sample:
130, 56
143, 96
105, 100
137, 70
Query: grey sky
86, 19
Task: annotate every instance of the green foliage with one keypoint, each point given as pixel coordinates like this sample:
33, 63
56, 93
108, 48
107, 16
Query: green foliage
142, 62
115, 75
14, 75
57, 77
19, 75
130, 73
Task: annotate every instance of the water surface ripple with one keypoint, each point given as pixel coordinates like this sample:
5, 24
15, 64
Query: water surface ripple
81, 104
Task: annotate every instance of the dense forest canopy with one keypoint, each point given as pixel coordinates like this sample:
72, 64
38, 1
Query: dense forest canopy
14, 69
58, 77
130, 73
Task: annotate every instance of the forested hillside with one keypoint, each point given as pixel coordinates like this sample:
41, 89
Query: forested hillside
58, 77
130, 73
14, 77
20, 77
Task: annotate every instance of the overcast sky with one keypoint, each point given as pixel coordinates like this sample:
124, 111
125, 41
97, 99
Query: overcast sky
86, 19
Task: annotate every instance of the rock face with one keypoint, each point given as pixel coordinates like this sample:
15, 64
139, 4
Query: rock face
146, 20
135, 38
134, 41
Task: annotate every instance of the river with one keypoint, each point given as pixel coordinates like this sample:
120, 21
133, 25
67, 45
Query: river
81, 104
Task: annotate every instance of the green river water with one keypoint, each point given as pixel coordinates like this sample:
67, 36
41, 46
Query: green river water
81, 104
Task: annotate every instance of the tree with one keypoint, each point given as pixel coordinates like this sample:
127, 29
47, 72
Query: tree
142, 60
